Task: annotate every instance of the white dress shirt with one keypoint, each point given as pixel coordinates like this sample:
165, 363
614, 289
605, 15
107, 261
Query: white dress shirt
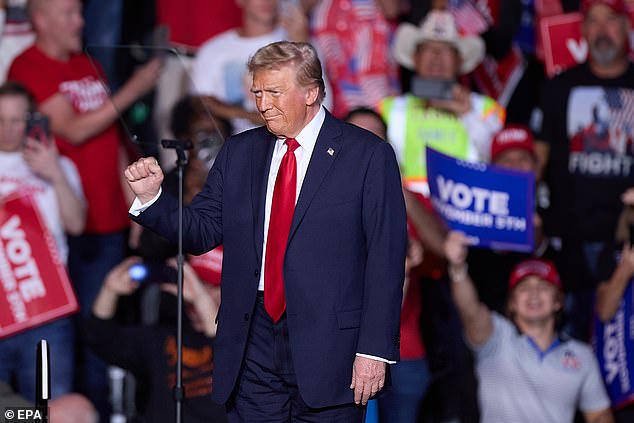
306, 139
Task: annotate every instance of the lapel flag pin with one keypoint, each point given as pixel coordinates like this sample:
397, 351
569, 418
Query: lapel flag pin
330, 151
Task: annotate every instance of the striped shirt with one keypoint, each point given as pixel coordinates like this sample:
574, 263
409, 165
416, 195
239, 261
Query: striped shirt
520, 383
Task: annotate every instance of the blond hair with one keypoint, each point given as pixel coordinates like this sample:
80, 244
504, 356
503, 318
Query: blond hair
300, 55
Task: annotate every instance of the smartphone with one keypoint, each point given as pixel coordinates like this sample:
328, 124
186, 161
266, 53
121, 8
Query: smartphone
631, 234
37, 127
438, 89
152, 273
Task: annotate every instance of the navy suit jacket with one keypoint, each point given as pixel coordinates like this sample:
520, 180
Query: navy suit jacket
344, 263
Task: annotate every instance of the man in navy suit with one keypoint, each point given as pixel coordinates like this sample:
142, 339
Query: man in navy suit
305, 333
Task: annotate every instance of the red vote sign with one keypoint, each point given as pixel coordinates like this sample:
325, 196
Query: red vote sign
34, 286
562, 41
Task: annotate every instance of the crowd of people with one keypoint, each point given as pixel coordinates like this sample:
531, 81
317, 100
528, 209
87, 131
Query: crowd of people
485, 334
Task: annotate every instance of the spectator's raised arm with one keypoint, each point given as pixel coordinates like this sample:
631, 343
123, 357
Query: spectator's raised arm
78, 128
116, 284
44, 160
475, 316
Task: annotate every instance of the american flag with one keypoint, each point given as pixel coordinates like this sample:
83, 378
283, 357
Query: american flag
319, 17
356, 10
363, 53
468, 16
352, 94
621, 104
365, 9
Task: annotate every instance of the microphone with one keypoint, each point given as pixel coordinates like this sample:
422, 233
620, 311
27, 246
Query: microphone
43, 378
176, 144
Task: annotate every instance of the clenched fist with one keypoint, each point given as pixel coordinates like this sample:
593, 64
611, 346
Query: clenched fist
144, 177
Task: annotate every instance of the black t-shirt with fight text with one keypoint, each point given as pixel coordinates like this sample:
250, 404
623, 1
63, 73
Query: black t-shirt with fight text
588, 123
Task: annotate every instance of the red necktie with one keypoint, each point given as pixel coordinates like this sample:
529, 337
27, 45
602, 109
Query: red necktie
280, 219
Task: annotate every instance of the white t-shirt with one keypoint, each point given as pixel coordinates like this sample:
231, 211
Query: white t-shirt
15, 175
220, 69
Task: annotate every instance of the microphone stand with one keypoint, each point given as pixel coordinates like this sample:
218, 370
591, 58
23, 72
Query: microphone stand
181, 161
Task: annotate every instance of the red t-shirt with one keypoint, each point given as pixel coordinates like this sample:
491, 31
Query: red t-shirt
96, 159
412, 345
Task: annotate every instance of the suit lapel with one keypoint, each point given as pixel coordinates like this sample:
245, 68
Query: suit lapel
260, 165
326, 150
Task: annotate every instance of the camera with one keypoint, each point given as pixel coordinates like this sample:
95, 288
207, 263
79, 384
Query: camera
438, 89
37, 127
152, 273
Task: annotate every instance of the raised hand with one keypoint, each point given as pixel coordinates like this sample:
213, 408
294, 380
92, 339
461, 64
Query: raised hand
144, 177
456, 247
43, 159
118, 280
459, 105
145, 78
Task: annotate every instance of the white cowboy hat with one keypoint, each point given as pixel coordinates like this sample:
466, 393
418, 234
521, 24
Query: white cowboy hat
438, 25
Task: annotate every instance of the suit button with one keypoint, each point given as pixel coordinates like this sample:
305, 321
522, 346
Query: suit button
246, 317
257, 273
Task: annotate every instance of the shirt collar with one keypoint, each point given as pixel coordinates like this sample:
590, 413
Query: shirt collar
307, 137
542, 354
560, 338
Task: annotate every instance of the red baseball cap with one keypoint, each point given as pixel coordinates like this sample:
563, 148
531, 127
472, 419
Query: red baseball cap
618, 6
542, 268
512, 136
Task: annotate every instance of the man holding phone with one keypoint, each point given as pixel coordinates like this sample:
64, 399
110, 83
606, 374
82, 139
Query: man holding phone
25, 157
49, 184
438, 112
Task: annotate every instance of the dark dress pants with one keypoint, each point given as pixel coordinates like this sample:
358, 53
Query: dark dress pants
267, 391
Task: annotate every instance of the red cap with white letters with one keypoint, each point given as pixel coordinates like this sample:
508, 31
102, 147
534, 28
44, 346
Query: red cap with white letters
513, 136
542, 268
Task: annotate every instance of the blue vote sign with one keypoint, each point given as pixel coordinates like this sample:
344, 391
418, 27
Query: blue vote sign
493, 206
614, 345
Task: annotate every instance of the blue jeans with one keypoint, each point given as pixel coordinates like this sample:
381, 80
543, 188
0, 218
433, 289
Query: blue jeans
17, 357
91, 257
401, 400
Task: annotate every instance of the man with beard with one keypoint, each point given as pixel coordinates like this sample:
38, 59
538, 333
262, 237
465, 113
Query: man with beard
586, 178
